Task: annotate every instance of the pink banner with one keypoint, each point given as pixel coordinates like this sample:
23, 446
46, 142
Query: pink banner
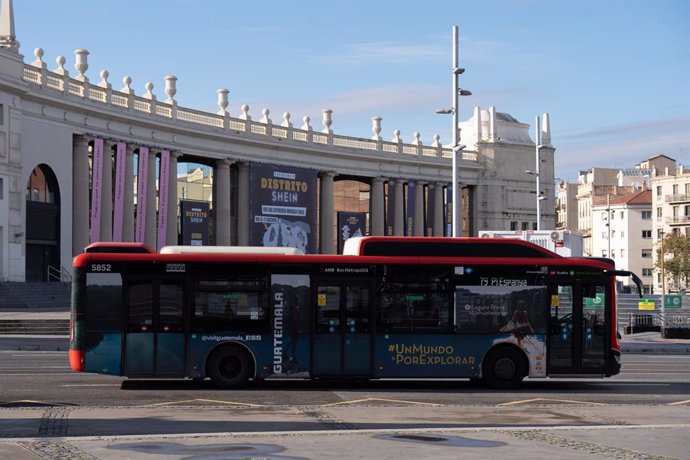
96, 189
163, 186
142, 175
119, 190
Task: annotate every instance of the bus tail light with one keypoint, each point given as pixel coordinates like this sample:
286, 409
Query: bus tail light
76, 360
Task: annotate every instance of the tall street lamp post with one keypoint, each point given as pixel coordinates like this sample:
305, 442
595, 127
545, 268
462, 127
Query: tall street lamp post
457, 147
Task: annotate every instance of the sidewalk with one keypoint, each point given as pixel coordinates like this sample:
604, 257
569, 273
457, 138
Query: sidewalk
345, 431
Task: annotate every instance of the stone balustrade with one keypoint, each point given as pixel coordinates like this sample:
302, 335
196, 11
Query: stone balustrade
59, 80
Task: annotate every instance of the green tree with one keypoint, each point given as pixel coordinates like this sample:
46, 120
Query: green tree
674, 252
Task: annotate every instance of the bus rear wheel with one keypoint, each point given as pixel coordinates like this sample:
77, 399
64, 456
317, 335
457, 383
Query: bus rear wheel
504, 368
229, 367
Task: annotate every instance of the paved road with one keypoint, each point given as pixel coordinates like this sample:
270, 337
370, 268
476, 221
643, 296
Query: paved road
46, 411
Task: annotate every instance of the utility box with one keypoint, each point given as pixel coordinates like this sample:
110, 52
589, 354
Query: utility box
562, 242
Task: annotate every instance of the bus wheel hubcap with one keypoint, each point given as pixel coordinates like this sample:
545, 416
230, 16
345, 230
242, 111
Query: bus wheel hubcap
230, 367
505, 368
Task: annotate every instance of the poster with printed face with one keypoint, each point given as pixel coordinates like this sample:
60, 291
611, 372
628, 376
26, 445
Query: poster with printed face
283, 207
350, 225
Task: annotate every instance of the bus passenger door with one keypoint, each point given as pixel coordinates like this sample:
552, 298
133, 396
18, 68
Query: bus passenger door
342, 335
155, 329
578, 337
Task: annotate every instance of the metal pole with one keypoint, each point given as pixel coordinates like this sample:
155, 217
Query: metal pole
608, 223
537, 141
456, 141
663, 273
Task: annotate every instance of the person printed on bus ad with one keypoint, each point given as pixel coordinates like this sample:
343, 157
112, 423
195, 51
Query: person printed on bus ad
519, 324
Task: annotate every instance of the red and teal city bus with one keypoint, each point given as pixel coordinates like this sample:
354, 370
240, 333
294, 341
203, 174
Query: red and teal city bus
498, 310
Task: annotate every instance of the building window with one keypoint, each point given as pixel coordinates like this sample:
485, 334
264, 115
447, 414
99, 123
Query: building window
622, 253
622, 214
660, 233
647, 272
646, 214
603, 254
613, 253
646, 233
622, 234
513, 225
646, 253
658, 190
525, 226
659, 213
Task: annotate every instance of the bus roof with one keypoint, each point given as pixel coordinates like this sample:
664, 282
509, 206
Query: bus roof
230, 250
444, 247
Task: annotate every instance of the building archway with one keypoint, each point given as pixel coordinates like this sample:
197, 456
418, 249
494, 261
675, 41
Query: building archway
42, 224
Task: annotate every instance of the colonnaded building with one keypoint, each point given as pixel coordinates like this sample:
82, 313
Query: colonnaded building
81, 161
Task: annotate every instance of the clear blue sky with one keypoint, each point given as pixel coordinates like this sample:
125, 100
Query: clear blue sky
613, 75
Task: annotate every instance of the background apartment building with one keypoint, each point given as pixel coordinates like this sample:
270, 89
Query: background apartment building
671, 202
622, 230
566, 206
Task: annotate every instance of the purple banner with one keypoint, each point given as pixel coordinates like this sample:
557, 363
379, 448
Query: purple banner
96, 189
142, 174
430, 211
448, 224
118, 211
163, 187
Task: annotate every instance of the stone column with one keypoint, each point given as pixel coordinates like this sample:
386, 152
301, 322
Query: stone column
376, 208
243, 204
151, 228
398, 209
438, 209
80, 194
107, 193
419, 209
128, 209
171, 228
326, 210
221, 203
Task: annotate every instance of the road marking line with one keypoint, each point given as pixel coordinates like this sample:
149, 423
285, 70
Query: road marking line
92, 385
31, 401
229, 403
568, 401
354, 401
679, 403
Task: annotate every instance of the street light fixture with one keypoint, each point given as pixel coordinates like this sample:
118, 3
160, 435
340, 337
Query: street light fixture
457, 146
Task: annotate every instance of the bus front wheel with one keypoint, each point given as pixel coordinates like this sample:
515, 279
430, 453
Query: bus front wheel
229, 367
504, 368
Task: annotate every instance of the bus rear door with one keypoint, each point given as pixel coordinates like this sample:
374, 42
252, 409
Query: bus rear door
154, 342
342, 330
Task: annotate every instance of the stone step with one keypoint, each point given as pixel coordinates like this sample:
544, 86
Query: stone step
34, 327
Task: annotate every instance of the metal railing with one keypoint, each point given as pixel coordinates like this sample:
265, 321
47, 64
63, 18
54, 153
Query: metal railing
656, 320
58, 274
